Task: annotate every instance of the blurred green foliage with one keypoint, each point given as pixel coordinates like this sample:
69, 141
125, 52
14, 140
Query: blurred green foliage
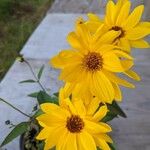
18, 19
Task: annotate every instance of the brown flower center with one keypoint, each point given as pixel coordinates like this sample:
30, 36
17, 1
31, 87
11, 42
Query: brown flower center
93, 61
116, 28
75, 124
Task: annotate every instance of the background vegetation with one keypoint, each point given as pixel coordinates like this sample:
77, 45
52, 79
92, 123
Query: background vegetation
18, 19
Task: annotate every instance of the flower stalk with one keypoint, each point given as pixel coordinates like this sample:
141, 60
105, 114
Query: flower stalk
15, 108
33, 73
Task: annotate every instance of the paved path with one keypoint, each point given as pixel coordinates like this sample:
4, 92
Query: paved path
132, 133
78, 6
96, 6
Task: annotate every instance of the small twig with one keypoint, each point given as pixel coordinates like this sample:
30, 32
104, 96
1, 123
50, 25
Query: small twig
15, 108
37, 80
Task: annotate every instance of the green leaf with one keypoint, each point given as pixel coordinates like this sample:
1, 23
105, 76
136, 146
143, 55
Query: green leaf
40, 72
112, 146
115, 109
28, 81
43, 97
38, 113
41, 145
55, 100
18, 130
109, 116
34, 95
56, 94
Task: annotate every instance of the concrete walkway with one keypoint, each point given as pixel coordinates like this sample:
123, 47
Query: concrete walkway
78, 6
96, 6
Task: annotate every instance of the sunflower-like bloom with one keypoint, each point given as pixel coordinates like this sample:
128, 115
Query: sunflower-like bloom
71, 126
119, 18
92, 63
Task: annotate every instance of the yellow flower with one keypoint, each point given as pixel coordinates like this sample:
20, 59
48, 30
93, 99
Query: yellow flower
92, 63
71, 126
119, 18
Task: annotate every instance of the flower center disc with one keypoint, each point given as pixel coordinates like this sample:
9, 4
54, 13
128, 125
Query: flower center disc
74, 124
93, 61
116, 28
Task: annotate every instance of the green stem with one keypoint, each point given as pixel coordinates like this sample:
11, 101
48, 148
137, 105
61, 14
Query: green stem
14, 108
37, 80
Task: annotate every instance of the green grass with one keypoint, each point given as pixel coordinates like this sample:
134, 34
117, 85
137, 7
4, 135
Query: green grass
18, 19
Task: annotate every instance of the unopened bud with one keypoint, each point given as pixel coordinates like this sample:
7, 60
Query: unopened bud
20, 58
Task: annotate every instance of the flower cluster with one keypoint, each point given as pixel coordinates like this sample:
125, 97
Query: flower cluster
72, 126
100, 51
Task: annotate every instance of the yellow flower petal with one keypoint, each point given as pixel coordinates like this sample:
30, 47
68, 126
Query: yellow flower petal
93, 26
144, 24
94, 104
93, 17
48, 144
64, 58
104, 137
70, 106
82, 88
107, 38
84, 94
68, 88
72, 73
52, 120
127, 64
102, 87
71, 142
110, 12
99, 115
119, 5
51, 108
118, 94
84, 34
122, 54
79, 106
112, 62
85, 141
125, 44
137, 33
140, 44
74, 41
102, 144
98, 33
134, 18
44, 133
93, 22
62, 140
53, 138
114, 78
132, 75
56, 62
95, 128
62, 96
123, 14
102, 49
